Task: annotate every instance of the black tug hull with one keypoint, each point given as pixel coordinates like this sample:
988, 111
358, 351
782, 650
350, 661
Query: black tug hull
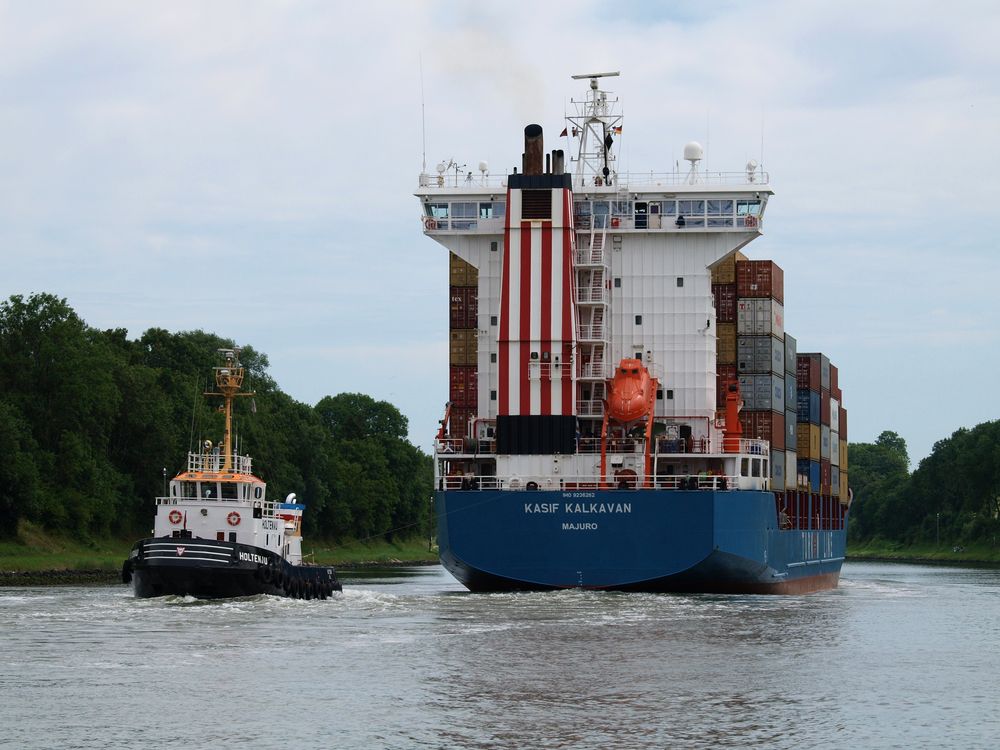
209, 569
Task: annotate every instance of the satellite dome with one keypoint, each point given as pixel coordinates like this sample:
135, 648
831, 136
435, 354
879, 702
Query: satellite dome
484, 167
693, 151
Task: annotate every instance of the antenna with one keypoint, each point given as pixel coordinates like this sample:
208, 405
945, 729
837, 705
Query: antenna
423, 119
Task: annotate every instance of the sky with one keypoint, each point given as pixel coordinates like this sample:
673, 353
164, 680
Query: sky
248, 168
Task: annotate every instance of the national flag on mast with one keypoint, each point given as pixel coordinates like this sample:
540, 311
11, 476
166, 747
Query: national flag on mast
564, 133
617, 129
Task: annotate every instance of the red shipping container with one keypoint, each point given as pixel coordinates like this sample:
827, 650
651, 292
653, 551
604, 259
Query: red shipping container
834, 380
843, 423
464, 307
825, 477
725, 302
824, 408
764, 425
462, 391
459, 421
807, 372
724, 374
760, 278
837, 393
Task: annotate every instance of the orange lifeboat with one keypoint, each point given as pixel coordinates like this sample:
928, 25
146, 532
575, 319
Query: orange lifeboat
631, 392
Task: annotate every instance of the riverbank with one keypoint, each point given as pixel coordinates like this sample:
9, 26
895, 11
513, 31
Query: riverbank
973, 554
39, 558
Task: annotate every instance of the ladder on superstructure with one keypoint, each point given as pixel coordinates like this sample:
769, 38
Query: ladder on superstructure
593, 274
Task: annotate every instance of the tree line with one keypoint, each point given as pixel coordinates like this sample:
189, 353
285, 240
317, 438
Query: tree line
89, 420
952, 497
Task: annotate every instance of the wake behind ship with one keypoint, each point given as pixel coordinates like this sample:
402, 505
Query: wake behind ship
626, 410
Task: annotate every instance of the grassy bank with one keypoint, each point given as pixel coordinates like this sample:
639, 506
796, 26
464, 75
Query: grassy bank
37, 550
894, 551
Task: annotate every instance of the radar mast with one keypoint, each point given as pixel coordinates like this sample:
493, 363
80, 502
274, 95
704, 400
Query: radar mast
595, 125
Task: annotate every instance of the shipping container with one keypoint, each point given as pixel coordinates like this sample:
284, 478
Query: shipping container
834, 380
807, 406
824, 371
778, 481
810, 469
764, 425
461, 273
464, 347
824, 442
746, 354
725, 271
824, 476
834, 448
824, 408
725, 302
460, 420
837, 393
843, 423
808, 372
748, 391
843, 455
760, 278
835, 481
462, 391
760, 317
808, 443
726, 344
791, 391
790, 354
769, 393
834, 415
723, 374
791, 470
464, 307
791, 429
845, 490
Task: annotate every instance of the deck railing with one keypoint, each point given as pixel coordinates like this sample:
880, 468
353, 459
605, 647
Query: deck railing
214, 462
662, 447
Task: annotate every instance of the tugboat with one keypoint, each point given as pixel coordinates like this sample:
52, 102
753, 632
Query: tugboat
216, 534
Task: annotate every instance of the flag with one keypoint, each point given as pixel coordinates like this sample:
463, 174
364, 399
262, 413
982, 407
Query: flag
618, 130
563, 134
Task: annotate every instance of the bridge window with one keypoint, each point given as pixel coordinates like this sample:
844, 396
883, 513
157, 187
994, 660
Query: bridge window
230, 491
492, 210
668, 208
463, 215
693, 212
720, 213
437, 210
748, 208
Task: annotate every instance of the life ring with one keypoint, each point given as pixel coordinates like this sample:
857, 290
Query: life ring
233, 519
750, 222
531, 486
174, 516
429, 223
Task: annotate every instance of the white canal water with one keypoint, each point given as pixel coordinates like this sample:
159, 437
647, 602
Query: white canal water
899, 656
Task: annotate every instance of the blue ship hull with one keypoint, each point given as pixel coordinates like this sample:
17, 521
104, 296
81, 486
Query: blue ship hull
644, 540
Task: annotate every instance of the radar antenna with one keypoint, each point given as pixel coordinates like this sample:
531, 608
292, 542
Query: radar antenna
595, 126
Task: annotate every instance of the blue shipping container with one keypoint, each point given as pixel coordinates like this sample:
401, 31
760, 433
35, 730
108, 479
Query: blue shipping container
807, 406
810, 468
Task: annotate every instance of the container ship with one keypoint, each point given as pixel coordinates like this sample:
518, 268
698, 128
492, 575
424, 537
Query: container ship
217, 534
626, 410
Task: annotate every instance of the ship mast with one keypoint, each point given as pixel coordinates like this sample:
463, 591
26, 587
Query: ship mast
595, 125
229, 380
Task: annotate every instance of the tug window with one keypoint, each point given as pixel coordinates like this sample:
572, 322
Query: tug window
230, 491
755, 468
745, 467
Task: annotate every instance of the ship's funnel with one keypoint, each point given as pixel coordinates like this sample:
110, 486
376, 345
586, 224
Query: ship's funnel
558, 162
533, 149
